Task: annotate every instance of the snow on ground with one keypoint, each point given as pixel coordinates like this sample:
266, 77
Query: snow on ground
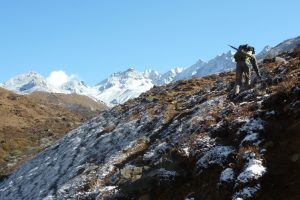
254, 125
252, 137
216, 156
157, 151
227, 175
246, 192
253, 170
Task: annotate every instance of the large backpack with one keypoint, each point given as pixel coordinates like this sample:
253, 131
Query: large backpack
241, 57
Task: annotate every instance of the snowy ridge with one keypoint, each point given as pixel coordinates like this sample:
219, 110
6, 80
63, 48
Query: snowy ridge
220, 63
286, 45
29, 82
32, 82
122, 86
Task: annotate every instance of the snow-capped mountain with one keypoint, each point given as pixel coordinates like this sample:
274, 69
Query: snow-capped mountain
264, 52
122, 86
190, 71
220, 63
286, 45
116, 89
78, 87
153, 75
201, 68
28, 83
170, 76
75, 86
33, 82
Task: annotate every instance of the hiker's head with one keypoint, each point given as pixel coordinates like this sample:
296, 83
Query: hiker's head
252, 49
247, 48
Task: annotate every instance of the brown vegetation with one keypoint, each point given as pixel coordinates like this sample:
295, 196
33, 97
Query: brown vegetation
30, 123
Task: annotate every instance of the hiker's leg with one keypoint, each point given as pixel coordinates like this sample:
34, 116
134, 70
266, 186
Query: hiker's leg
247, 74
238, 80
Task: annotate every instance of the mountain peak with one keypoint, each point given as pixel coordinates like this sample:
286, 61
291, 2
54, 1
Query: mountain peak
32, 73
122, 86
130, 69
27, 83
286, 45
200, 62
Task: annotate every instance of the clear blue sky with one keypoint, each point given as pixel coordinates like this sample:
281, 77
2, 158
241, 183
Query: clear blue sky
95, 38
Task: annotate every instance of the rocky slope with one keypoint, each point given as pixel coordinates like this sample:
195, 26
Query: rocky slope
30, 123
186, 140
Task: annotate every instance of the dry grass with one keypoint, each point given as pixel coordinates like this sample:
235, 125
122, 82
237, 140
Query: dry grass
25, 121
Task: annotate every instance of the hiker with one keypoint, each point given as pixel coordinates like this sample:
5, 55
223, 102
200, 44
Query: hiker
243, 58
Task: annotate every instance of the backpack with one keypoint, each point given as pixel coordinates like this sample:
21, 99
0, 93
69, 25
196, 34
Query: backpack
244, 47
241, 57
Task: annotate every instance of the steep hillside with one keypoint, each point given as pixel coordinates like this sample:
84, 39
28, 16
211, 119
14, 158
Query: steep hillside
74, 102
30, 123
185, 140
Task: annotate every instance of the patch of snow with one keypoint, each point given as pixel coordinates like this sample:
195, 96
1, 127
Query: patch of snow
241, 120
192, 198
252, 126
246, 192
245, 103
253, 170
186, 151
216, 156
227, 175
205, 142
252, 137
155, 153
108, 188
263, 151
270, 113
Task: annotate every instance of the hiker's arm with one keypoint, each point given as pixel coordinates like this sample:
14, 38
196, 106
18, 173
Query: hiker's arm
249, 55
254, 64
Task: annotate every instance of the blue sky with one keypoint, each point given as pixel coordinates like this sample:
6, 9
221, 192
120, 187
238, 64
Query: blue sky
94, 38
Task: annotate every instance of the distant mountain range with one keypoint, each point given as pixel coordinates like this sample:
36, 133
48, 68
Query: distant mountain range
286, 45
121, 86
